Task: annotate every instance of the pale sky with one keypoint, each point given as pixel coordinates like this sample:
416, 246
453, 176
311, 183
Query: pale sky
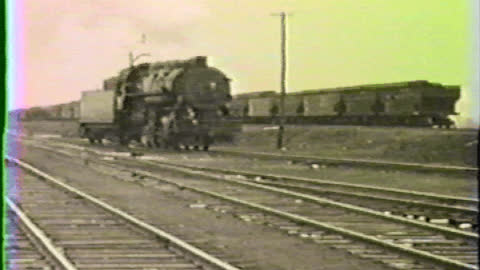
72, 45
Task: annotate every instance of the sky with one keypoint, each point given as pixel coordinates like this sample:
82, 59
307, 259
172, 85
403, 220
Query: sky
64, 47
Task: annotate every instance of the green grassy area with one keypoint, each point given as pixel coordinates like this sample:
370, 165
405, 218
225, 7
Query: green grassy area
422, 145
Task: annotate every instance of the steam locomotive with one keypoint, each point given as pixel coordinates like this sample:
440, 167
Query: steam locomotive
170, 103
412, 103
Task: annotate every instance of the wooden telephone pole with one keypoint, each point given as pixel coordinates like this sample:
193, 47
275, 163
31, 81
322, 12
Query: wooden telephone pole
283, 74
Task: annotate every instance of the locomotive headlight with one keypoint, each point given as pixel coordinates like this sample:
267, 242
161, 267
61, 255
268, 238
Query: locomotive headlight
213, 85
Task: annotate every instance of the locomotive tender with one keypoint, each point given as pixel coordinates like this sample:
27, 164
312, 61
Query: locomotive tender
168, 103
413, 103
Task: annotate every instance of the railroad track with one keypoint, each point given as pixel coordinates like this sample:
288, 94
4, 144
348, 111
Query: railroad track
398, 242
349, 162
455, 212
21, 248
450, 211
331, 223
82, 232
311, 160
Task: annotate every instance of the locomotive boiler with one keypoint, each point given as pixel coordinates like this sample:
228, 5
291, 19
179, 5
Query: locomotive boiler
162, 104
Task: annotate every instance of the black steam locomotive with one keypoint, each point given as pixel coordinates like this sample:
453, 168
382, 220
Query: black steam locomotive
162, 104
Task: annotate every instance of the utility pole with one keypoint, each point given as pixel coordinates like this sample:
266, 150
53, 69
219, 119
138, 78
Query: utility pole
283, 74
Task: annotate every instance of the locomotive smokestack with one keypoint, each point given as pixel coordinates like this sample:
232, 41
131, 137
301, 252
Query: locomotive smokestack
200, 61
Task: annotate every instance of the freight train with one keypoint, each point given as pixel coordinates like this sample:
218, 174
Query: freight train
162, 104
65, 111
413, 103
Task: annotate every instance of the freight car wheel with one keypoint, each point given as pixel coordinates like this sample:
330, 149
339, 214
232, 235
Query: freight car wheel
205, 148
91, 140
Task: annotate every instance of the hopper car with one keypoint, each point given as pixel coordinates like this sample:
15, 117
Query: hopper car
412, 103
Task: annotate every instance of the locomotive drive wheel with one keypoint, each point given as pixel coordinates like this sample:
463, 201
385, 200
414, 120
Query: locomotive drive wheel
82, 131
124, 141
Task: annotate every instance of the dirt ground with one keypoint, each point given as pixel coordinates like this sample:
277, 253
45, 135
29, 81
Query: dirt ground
453, 185
462, 185
401, 144
169, 209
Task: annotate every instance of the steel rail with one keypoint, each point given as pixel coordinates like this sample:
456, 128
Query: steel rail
327, 182
321, 182
443, 229
292, 178
199, 254
340, 161
450, 231
375, 197
41, 237
299, 179
304, 220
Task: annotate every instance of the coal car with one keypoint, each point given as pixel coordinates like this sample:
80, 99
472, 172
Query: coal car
162, 104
